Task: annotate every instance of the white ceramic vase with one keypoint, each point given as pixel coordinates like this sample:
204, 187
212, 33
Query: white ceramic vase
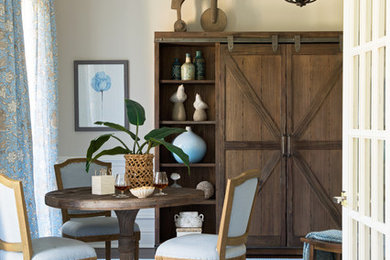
189, 219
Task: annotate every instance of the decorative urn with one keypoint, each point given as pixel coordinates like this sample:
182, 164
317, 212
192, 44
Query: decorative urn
192, 144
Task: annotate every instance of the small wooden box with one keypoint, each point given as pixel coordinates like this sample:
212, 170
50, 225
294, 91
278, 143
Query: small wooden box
187, 231
102, 185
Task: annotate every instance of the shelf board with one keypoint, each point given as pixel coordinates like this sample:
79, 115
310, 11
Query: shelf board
207, 202
200, 82
180, 165
167, 122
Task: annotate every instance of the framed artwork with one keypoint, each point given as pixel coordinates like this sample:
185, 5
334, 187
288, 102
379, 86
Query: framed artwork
101, 87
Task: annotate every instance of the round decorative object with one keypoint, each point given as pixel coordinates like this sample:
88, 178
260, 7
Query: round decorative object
213, 19
139, 169
180, 26
193, 145
142, 192
207, 188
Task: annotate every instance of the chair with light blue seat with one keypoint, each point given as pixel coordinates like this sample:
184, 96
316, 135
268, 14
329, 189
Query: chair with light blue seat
15, 239
88, 226
233, 230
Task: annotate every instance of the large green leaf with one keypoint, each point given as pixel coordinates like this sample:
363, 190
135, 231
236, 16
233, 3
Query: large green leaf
117, 127
163, 132
96, 143
113, 151
135, 112
174, 149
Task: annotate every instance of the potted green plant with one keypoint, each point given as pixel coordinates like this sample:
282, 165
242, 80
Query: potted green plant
139, 161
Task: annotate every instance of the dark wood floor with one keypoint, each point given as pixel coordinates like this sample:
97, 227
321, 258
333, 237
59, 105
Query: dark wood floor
148, 253
143, 253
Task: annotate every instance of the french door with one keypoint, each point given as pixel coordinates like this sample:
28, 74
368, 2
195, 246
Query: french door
366, 135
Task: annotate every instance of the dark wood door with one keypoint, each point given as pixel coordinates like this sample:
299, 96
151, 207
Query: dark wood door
281, 112
314, 143
251, 121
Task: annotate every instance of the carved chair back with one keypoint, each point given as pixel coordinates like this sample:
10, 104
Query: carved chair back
72, 174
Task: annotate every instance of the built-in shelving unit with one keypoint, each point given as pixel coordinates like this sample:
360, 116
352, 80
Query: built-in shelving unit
205, 170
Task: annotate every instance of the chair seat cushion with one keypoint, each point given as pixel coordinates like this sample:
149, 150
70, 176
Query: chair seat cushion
197, 246
94, 226
59, 248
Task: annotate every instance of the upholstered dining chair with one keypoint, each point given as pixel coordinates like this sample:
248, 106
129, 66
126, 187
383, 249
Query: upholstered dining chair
15, 239
88, 226
233, 230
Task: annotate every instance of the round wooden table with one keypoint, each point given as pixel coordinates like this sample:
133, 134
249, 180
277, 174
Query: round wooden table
126, 209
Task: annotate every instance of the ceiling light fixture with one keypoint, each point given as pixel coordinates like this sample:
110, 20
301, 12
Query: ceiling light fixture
300, 2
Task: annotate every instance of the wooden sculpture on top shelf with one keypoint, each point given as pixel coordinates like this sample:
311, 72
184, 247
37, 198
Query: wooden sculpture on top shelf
200, 109
180, 25
213, 19
178, 98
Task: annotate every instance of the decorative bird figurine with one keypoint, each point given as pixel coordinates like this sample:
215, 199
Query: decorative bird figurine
200, 109
178, 98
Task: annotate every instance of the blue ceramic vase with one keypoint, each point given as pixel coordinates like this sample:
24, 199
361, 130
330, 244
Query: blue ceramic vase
176, 69
193, 145
200, 64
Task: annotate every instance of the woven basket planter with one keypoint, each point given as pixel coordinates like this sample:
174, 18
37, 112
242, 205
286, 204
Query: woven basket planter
139, 169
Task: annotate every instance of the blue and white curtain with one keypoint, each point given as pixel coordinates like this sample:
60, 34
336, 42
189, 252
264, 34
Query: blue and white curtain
28, 111
41, 57
15, 129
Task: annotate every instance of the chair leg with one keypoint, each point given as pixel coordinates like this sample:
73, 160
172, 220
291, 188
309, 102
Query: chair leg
108, 250
312, 253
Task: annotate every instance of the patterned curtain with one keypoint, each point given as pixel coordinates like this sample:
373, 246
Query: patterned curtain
15, 129
41, 55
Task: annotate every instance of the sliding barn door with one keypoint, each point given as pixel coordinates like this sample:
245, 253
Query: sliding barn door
314, 139
251, 121
281, 112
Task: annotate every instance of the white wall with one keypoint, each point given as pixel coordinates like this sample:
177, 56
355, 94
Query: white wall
124, 29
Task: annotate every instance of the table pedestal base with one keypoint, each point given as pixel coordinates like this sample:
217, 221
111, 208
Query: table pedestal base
126, 219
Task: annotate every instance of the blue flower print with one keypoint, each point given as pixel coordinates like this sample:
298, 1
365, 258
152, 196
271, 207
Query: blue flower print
101, 82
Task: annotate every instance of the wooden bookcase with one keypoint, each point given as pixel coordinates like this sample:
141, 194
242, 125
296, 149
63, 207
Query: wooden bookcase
275, 105
204, 170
